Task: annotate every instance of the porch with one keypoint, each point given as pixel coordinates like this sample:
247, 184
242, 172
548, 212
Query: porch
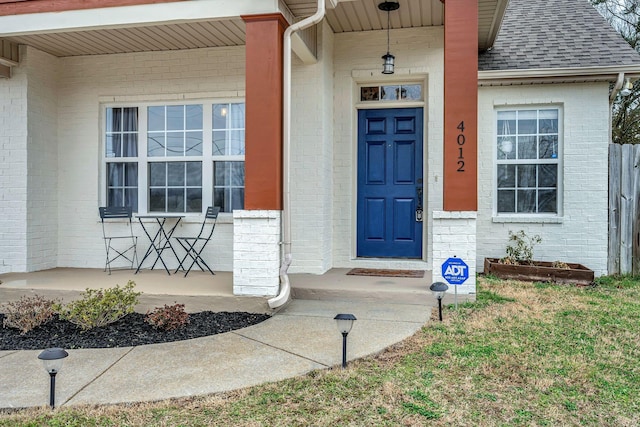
200, 291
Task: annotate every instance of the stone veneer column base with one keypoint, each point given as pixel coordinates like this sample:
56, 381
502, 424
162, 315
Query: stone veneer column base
256, 252
454, 235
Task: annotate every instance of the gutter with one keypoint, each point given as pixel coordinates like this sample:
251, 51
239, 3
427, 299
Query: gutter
586, 74
285, 287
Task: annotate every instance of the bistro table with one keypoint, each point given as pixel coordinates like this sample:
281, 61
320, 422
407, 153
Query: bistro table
162, 238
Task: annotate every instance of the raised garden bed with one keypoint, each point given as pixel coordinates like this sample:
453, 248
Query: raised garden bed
540, 271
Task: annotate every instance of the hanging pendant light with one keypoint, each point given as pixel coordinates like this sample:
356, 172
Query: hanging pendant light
388, 64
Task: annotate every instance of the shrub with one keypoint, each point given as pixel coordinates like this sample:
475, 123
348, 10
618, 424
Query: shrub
168, 318
99, 307
28, 313
520, 248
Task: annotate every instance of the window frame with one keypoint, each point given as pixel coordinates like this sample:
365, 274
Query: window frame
143, 159
529, 216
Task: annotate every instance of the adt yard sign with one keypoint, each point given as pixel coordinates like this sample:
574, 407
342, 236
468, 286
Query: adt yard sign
455, 271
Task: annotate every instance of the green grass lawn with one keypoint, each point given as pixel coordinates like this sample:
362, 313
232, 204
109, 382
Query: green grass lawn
522, 354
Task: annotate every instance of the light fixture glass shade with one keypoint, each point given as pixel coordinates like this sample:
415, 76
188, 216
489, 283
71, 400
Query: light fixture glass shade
388, 64
439, 289
52, 359
506, 146
345, 322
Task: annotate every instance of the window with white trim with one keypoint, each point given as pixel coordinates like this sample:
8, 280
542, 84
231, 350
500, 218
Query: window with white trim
176, 157
528, 161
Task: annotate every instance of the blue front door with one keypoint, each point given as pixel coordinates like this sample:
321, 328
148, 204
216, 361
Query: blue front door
390, 190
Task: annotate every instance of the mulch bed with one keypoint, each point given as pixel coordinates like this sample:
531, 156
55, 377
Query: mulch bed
129, 331
385, 273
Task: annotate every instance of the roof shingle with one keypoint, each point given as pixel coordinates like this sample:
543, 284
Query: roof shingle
555, 34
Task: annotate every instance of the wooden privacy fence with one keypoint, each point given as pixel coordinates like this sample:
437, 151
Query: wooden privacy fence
624, 209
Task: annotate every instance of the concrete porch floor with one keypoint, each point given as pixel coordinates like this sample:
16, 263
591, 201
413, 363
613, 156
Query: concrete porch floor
201, 291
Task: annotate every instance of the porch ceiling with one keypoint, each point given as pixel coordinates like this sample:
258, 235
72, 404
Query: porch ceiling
347, 16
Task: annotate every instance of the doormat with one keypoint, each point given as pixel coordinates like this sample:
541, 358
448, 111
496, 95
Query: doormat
385, 273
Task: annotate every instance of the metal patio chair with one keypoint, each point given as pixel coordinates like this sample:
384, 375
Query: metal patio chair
125, 250
194, 245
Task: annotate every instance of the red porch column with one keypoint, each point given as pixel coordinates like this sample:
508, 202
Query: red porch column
461, 105
263, 128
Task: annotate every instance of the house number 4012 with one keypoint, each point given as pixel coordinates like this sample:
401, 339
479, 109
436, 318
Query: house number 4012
461, 140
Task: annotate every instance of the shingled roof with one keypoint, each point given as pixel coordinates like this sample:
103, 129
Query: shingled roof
555, 34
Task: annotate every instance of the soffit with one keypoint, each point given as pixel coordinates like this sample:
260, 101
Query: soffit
347, 16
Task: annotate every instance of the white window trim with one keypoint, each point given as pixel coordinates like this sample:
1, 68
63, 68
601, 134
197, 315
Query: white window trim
143, 159
513, 217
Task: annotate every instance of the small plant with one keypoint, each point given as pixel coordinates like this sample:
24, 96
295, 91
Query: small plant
168, 318
99, 307
520, 249
28, 313
560, 264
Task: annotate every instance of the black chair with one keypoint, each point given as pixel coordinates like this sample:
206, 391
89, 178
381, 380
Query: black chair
194, 245
126, 250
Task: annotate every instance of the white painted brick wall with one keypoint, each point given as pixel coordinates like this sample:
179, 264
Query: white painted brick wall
256, 250
13, 172
42, 205
581, 234
312, 160
86, 81
418, 50
454, 236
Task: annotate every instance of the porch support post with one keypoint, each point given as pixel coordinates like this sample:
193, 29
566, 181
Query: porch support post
263, 134
455, 226
257, 228
461, 105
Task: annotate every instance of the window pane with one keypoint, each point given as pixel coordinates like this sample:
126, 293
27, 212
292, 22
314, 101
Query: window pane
506, 123
131, 198
130, 119
155, 145
157, 199
548, 121
131, 174
115, 197
547, 201
221, 174
237, 143
526, 175
194, 200
194, 174
157, 174
390, 93
219, 143
194, 144
155, 119
194, 117
526, 201
412, 92
506, 176
113, 145
175, 174
175, 117
130, 145
506, 147
369, 93
527, 122
218, 199
548, 175
109, 120
220, 113
527, 147
237, 198
175, 144
237, 116
175, 200
237, 174
506, 201
549, 147
115, 174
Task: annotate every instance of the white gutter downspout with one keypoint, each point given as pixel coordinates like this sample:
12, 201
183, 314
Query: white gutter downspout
285, 287
612, 98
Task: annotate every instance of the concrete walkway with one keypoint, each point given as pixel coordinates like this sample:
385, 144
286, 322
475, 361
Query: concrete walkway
301, 338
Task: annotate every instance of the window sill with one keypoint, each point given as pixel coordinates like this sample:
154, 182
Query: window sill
528, 219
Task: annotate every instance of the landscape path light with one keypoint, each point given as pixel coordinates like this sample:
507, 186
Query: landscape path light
439, 289
52, 359
345, 323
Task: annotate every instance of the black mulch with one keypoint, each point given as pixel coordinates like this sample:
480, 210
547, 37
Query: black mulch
129, 331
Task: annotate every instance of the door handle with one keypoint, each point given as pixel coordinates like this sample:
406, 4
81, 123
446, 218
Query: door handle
419, 212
